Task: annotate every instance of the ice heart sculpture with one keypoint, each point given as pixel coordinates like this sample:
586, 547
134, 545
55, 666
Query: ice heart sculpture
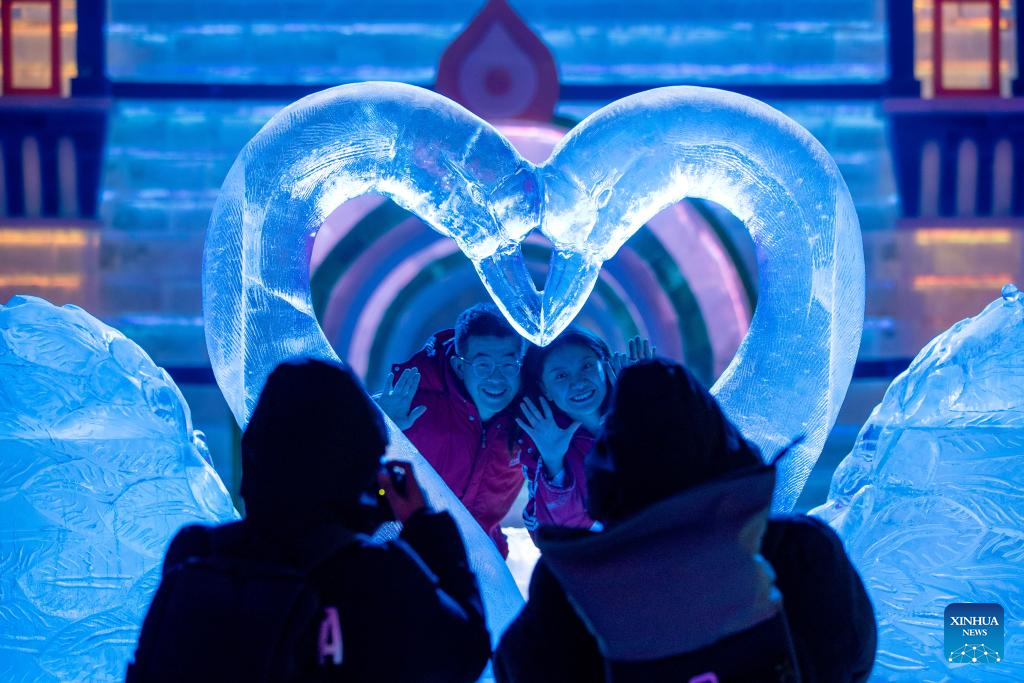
607, 177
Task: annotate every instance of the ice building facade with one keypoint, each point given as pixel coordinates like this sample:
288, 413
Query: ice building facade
108, 189
191, 85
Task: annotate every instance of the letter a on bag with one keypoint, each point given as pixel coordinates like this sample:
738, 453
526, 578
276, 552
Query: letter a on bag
330, 637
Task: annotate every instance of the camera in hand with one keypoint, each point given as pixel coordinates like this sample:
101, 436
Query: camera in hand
399, 482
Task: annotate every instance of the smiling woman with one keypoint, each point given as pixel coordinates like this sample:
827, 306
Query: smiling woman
567, 385
575, 380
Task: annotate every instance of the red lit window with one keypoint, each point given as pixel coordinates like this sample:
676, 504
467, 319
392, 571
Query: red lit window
966, 47
31, 47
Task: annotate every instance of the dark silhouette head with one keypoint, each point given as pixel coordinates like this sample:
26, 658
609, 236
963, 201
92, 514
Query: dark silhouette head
312, 446
663, 434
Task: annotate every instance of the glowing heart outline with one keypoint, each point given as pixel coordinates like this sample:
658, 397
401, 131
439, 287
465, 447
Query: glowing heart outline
464, 179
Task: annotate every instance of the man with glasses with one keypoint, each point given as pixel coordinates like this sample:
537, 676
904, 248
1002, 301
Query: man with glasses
454, 401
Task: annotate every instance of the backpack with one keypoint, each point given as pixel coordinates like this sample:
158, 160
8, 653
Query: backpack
223, 617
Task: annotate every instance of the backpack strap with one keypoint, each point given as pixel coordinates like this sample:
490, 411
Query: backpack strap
324, 543
304, 555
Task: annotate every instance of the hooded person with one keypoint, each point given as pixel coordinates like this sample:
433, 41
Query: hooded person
310, 477
689, 570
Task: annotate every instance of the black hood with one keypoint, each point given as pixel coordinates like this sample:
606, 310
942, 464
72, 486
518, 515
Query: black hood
312, 446
663, 434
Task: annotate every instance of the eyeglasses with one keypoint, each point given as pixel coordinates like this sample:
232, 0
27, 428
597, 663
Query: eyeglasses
484, 367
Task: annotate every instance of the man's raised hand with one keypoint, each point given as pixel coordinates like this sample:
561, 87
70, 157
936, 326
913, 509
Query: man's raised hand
396, 400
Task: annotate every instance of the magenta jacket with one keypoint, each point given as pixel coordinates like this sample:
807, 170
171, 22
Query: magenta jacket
557, 505
475, 460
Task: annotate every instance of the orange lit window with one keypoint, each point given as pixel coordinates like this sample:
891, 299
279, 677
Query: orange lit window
38, 46
965, 47
55, 261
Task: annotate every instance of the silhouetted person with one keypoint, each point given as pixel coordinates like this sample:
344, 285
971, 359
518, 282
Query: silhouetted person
297, 591
677, 585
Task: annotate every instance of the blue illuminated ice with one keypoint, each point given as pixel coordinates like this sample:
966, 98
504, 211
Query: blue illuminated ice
99, 467
610, 174
501, 597
930, 502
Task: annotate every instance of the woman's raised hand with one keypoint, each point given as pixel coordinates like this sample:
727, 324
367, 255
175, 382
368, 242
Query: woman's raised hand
640, 349
552, 441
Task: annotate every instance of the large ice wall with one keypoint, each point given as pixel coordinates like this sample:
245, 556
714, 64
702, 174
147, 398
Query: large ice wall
263, 41
99, 467
930, 502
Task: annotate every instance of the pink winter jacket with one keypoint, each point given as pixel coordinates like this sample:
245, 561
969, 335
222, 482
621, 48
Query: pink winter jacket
563, 504
475, 460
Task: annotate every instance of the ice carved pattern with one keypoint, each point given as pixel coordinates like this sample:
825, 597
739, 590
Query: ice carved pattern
930, 502
98, 470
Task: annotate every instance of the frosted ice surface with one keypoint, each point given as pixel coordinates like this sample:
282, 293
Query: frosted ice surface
610, 174
930, 502
99, 467
501, 597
